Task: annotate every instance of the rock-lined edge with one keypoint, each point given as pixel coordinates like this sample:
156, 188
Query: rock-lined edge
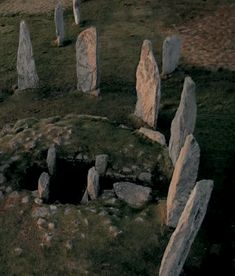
189, 224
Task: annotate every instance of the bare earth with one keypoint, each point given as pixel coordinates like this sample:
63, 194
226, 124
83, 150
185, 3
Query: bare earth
207, 42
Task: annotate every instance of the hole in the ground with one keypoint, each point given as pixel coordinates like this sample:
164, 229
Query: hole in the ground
70, 181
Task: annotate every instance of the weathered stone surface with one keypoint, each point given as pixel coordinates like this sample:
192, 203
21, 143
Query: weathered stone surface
44, 186
51, 160
183, 180
101, 163
148, 86
190, 221
87, 60
153, 135
85, 198
93, 186
40, 212
134, 195
76, 11
170, 54
59, 24
145, 177
26, 69
184, 121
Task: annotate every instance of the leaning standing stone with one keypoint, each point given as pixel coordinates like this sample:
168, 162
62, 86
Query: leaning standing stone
170, 54
43, 186
184, 121
147, 86
189, 224
76, 11
87, 61
93, 186
183, 180
51, 160
26, 69
101, 163
59, 24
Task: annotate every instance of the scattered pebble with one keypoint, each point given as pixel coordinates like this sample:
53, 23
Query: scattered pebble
51, 226
53, 209
18, 251
25, 200
139, 219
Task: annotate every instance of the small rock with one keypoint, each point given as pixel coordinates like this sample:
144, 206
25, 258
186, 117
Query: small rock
51, 226
8, 189
126, 170
86, 221
145, 177
67, 211
53, 209
40, 212
69, 245
139, 219
25, 200
18, 251
38, 201
153, 135
41, 222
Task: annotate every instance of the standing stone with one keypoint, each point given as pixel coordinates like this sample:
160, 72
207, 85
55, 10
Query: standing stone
101, 163
183, 180
184, 121
59, 24
87, 61
43, 186
147, 86
26, 69
76, 11
170, 54
93, 186
51, 160
189, 224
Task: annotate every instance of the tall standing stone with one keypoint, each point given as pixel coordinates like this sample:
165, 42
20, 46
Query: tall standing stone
87, 60
44, 186
184, 121
59, 24
76, 11
189, 224
148, 86
26, 69
170, 54
51, 160
183, 180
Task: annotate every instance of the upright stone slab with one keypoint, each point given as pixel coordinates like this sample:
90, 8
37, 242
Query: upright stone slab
26, 69
148, 86
59, 24
87, 60
189, 224
93, 186
184, 121
43, 186
76, 11
51, 160
101, 163
170, 54
183, 180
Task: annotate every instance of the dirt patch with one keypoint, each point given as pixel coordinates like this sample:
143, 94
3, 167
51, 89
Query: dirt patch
209, 41
30, 6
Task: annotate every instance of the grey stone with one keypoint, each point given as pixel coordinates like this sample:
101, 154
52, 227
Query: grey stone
145, 177
148, 86
25, 200
53, 209
153, 135
87, 60
93, 186
134, 195
76, 11
184, 121
170, 54
189, 224
51, 160
44, 186
26, 68
40, 212
101, 163
59, 24
18, 251
8, 189
85, 198
183, 180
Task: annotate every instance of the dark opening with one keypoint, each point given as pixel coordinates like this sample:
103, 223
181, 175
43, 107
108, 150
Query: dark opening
70, 181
